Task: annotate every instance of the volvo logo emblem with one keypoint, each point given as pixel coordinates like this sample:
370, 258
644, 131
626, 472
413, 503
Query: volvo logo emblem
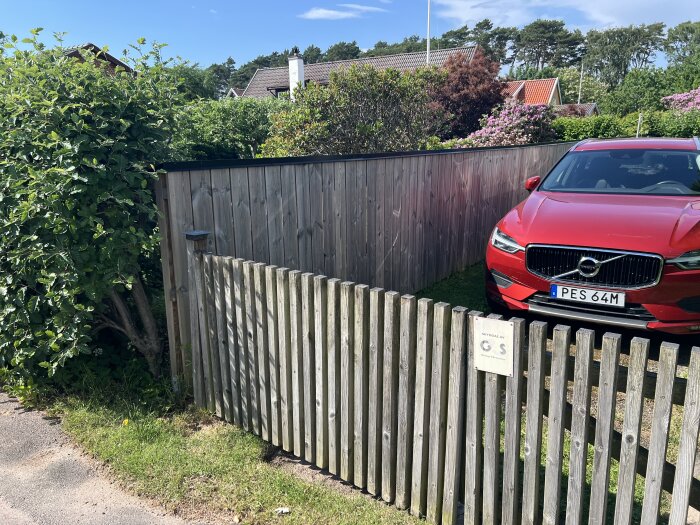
588, 266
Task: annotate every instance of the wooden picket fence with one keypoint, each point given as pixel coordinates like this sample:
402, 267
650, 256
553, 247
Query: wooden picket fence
379, 389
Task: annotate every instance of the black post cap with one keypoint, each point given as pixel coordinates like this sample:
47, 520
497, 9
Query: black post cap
196, 235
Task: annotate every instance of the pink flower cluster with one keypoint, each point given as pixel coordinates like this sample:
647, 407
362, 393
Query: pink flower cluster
683, 101
512, 124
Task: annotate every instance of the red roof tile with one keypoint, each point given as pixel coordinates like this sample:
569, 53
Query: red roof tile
539, 91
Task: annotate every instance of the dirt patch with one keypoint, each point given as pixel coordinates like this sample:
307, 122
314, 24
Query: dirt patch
312, 474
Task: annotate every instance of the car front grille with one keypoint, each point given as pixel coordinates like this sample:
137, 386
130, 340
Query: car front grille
624, 270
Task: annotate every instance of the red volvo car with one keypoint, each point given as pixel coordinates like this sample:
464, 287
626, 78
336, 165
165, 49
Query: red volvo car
610, 235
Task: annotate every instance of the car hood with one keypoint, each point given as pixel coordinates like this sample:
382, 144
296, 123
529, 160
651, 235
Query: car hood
668, 226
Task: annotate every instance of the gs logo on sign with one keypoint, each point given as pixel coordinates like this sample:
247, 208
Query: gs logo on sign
486, 347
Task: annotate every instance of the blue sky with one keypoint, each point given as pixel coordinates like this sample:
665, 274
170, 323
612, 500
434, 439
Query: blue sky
207, 31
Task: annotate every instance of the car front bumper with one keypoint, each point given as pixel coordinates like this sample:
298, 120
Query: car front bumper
509, 283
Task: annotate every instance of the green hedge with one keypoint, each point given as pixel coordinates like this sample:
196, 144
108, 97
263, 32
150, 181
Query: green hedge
654, 124
579, 128
224, 129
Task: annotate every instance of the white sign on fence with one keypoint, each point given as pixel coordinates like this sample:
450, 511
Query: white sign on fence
493, 345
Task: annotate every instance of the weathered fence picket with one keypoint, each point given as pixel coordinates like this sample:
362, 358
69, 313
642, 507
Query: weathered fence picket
381, 390
555, 424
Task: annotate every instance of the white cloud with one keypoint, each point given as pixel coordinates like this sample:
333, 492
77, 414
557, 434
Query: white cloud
213, 11
363, 8
594, 13
347, 11
320, 13
384, 1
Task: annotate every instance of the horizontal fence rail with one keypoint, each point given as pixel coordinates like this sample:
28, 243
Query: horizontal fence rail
400, 222
380, 389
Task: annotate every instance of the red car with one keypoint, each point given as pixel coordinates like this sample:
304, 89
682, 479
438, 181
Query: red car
610, 235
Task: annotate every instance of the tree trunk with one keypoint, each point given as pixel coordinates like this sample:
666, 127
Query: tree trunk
144, 335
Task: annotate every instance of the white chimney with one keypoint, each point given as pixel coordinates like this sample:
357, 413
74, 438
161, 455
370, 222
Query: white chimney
296, 73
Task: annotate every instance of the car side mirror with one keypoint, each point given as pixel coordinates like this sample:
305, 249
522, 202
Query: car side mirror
532, 183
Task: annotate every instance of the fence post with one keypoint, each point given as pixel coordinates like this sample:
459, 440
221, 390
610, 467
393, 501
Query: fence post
196, 246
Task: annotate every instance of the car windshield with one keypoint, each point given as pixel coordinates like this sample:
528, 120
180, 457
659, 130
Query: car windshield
634, 171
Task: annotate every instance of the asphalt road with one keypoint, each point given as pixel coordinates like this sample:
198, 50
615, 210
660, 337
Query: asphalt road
44, 479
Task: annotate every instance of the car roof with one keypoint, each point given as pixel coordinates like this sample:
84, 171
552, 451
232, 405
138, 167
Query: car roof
637, 143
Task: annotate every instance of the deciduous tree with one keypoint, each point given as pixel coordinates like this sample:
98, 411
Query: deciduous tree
548, 43
612, 53
683, 42
471, 89
361, 110
342, 51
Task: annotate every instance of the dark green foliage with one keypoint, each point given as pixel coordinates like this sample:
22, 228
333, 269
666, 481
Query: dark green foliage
224, 129
685, 76
642, 89
220, 76
612, 53
683, 42
193, 81
409, 44
244, 73
77, 217
312, 54
362, 110
494, 41
654, 124
673, 124
548, 43
342, 51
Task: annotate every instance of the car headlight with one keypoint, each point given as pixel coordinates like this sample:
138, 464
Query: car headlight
504, 242
687, 261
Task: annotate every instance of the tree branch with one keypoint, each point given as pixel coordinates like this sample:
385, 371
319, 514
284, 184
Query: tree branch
143, 306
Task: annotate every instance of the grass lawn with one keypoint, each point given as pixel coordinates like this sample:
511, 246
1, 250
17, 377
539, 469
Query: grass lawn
460, 289
201, 468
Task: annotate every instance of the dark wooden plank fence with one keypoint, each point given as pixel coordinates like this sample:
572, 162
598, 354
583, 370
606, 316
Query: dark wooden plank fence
397, 221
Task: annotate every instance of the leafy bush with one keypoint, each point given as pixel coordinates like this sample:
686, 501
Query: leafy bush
673, 123
579, 128
513, 124
642, 89
362, 110
77, 216
224, 129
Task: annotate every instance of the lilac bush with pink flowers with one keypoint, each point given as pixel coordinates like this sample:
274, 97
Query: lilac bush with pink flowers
511, 124
683, 101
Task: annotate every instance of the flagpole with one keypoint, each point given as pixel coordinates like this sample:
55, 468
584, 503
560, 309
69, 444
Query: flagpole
580, 83
427, 55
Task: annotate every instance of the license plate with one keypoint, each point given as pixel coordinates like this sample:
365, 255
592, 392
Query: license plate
586, 295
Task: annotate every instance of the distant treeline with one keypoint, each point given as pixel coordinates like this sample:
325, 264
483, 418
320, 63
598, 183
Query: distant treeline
529, 52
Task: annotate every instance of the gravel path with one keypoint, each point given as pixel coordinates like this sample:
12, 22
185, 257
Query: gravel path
44, 479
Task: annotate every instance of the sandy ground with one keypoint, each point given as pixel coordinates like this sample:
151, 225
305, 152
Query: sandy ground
45, 480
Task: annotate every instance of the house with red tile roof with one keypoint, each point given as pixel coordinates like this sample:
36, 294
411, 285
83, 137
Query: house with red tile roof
544, 91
